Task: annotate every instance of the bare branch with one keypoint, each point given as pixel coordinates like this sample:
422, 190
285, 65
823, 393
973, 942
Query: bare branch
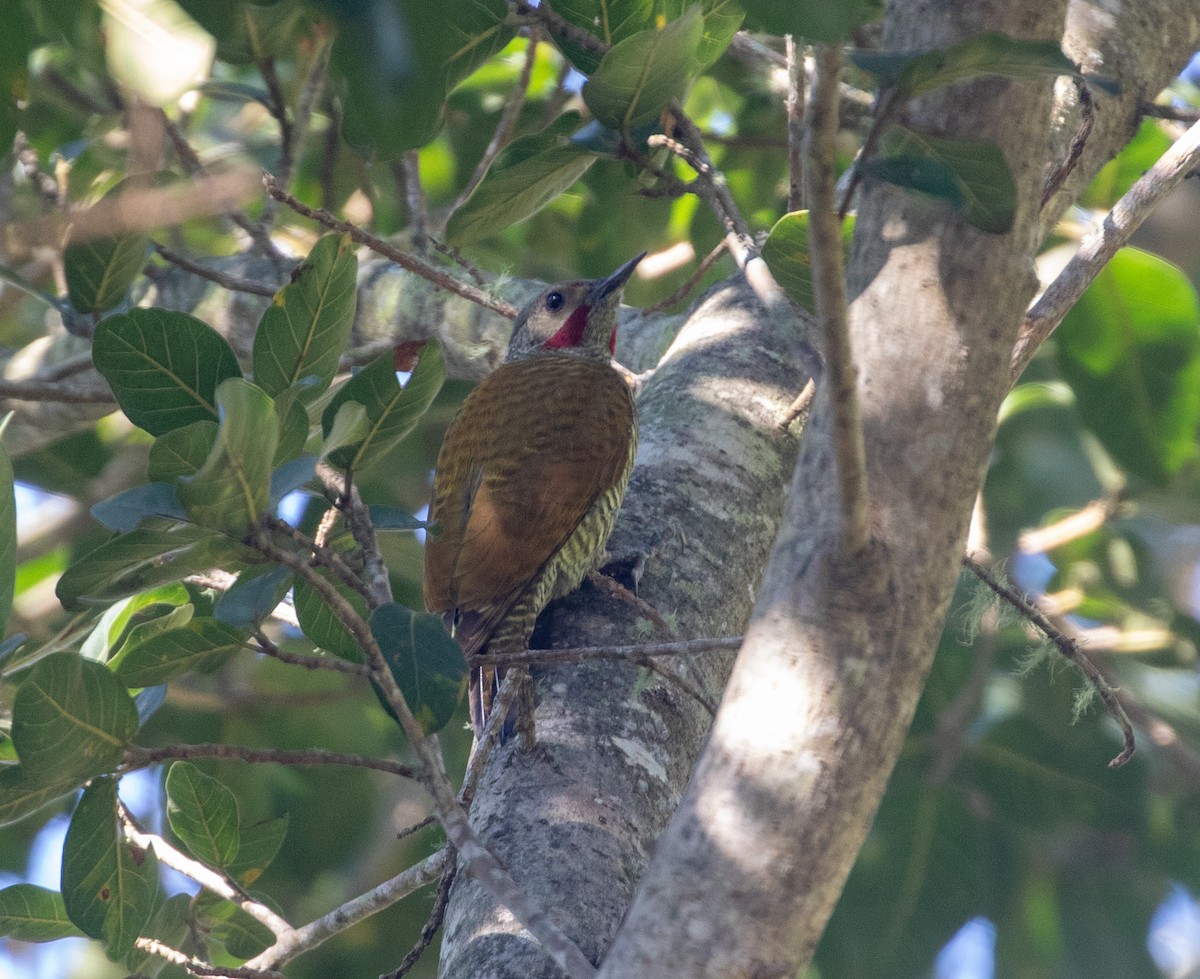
583, 654
296, 941
224, 279
323, 556
51, 391
1102, 243
693, 280
829, 287
203, 969
408, 173
201, 873
1063, 170
378, 586
441, 898
1067, 646
1072, 527
403, 259
141, 757
332, 663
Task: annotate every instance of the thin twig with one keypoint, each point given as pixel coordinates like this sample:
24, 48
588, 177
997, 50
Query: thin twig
204, 969
195, 168
224, 279
829, 287
1067, 646
1160, 733
1102, 243
615, 590
681, 293
1063, 170
307, 937
408, 171
585, 654
684, 684
441, 898
50, 391
277, 105
1079, 524
557, 26
416, 827
504, 126
795, 124
1175, 113
201, 873
323, 556
62, 369
801, 405
377, 586
142, 757
332, 663
403, 259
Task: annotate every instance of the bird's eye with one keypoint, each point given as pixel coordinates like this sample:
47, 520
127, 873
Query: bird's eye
554, 301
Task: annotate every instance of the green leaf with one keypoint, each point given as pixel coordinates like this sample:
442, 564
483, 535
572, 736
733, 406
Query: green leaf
969, 174
384, 518
826, 21
307, 326
233, 487
399, 59
251, 31
513, 193
1130, 350
200, 645
149, 624
114, 625
243, 936
163, 367
640, 75
100, 271
290, 476
29, 913
428, 665
21, 796
8, 538
108, 886
980, 56
127, 510
349, 427
170, 927
610, 21
259, 843
181, 451
203, 813
294, 423
320, 623
71, 719
258, 591
392, 411
786, 253
151, 555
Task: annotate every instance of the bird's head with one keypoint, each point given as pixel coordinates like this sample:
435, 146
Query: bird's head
572, 317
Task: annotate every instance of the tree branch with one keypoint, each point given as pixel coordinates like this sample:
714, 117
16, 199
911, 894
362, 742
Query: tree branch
829, 287
1099, 245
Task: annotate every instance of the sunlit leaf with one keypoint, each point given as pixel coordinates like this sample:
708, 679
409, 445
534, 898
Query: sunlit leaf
199, 645
786, 252
29, 913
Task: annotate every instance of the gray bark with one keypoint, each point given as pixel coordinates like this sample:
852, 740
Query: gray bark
744, 877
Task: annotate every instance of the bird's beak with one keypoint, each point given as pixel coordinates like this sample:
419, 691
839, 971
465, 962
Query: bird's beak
612, 284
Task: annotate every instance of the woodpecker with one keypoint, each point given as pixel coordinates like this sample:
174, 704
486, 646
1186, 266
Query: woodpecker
531, 474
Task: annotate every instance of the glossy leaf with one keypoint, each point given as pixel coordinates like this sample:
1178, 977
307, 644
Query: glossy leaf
640, 75
107, 885
163, 367
127, 510
199, 645
392, 411
259, 843
203, 813
786, 252
21, 796
259, 589
233, 487
321, 624
428, 665
100, 270
513, 193
307, 326
990, 54
151, 555
826, 21
71, 718
970, 175
243, 936
181, 451
1130, 349
29, 913
114, 625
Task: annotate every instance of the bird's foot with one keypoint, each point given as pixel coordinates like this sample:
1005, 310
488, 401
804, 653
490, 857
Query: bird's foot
614, 589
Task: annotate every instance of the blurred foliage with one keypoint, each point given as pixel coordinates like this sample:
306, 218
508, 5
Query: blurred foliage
1001, 806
